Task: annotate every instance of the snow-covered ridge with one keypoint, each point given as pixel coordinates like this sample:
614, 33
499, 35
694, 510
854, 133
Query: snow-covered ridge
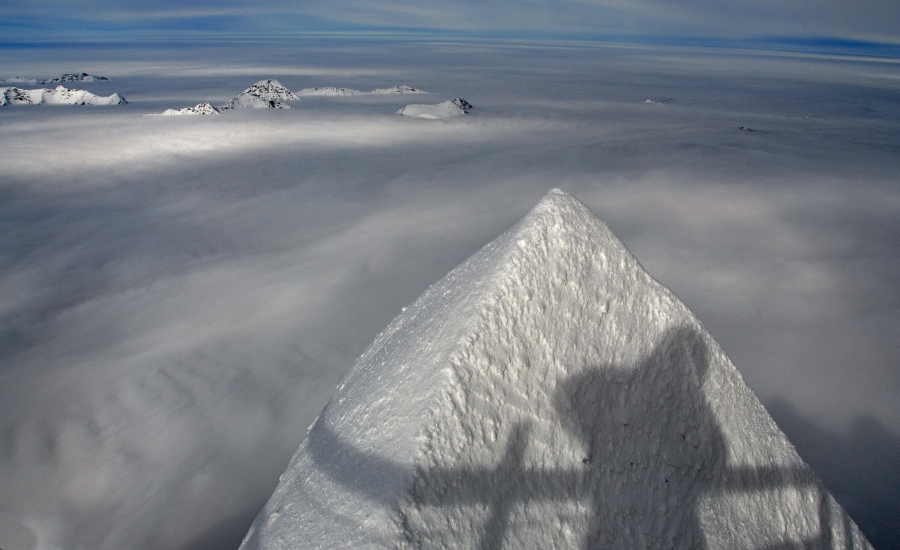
57, 96
272, 94
328, 91
264, 94
403, 89
199, 109
548, 393
458, 106
74, 77
332, 91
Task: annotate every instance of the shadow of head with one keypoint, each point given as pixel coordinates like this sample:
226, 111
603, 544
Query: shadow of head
652, 445
663, 387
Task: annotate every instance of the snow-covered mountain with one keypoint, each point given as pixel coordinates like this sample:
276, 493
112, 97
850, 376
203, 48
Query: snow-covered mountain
402, 89
263, 94
199, 109
328, 91
548, 393
57, 96
73, 77
458, 106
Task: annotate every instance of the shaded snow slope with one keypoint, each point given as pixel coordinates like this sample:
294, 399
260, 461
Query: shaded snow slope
403, 89
263, 94
458, 106
74, 77
548, 393
199, 109
328, 91
57, 96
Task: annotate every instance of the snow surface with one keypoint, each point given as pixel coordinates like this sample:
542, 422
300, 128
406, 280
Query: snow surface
57, 96
403, 89
548, 393
74, 77
264, 94
328, 91
199, 109
458, 106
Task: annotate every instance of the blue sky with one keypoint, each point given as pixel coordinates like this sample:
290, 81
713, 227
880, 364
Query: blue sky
643, 20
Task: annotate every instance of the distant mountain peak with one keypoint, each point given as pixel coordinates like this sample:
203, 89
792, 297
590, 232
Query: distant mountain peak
263, 94
455, 107
402, 89
75, 77
462, 104
199, 109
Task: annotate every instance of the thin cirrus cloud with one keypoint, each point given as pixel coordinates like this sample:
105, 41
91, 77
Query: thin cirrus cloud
871, 20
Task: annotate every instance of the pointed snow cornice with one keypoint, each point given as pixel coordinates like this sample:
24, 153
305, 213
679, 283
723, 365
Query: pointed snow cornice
548, 393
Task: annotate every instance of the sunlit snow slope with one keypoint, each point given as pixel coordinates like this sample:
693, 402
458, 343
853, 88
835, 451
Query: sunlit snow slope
548, 393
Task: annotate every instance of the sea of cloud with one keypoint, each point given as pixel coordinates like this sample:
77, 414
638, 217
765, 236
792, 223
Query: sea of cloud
179, 296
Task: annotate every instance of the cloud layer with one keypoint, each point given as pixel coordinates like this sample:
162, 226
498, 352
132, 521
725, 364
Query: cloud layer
180, 296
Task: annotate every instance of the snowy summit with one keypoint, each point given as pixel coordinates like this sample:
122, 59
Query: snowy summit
57, 96
199, 109
458, 106
265, 94
548, 393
